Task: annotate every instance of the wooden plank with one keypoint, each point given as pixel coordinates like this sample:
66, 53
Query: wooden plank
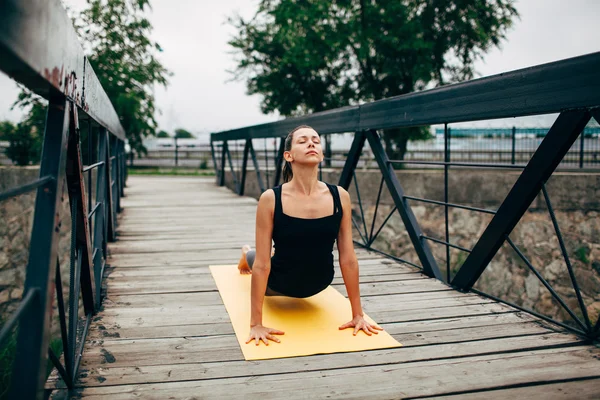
396, 379
226, 348
182, 258
586, 389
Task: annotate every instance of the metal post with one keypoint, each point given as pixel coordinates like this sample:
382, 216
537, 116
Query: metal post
328, 152
99, 252
244, 166
446, 170
110, 207
222, 171
176, 152
430, 267
29, 372
581, 148
514, 144
544, 161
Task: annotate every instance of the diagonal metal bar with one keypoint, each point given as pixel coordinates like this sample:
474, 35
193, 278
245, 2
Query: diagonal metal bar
563, 249
534, 313
362, 212
430, 267
279, 160
442, 203
261, 185
381, 227
544, 161
76, 185
545, 283
245, 166
26, 302
359, 232
447, 244
62, 372
352, 160
596, 114
73, 282
214, 159
79, 354
233, 173
376, 209
63, 321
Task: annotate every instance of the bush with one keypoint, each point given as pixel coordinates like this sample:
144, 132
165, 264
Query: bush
25, 144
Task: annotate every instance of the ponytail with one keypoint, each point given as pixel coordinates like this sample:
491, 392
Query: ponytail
287, 172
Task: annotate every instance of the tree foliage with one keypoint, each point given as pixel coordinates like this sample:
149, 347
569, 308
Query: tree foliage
183, 134
162, 134
313, 55
116, 36
26, 138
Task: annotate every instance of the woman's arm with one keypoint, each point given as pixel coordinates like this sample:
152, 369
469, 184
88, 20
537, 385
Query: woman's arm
261, 269
349, 267
262, 262
348, 261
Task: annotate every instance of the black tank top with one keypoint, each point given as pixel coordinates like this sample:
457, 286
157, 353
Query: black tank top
303, 262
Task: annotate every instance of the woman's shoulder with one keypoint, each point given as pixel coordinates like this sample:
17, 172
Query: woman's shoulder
267, 197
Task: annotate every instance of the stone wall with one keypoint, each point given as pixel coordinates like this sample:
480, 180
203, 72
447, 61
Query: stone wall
575, 198
16, 219
481, 188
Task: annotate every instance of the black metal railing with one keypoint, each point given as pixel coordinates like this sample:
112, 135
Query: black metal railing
62, 75
570, 87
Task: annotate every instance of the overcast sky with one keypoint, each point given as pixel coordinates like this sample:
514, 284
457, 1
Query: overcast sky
200, 97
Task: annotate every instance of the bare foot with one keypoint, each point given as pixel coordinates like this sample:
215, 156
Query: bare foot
243, 264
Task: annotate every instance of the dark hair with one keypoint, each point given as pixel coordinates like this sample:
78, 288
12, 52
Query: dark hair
287, 166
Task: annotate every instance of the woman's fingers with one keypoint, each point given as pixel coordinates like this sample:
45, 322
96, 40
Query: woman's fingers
273, 338
346, 325
276, 332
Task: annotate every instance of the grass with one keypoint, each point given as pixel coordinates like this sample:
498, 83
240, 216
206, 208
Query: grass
7, 359
169, 171
581, 254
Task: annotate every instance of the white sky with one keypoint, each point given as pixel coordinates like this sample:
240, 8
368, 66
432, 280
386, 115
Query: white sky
194, 37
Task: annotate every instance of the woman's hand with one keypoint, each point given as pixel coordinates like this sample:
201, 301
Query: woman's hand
359, 323
259, 332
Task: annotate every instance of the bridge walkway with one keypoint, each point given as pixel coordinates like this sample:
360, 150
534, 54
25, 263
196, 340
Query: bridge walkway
164, 332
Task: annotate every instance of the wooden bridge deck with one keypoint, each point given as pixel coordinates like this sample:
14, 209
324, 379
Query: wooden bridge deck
164, 332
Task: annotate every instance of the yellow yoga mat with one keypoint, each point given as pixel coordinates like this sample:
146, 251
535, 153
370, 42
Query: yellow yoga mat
310, 324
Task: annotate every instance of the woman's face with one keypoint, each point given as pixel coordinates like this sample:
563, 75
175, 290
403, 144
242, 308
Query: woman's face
306, 147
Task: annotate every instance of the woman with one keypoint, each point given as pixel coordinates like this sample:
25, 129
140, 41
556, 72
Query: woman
303, 217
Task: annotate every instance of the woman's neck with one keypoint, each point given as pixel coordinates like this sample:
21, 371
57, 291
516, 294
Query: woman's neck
305, 179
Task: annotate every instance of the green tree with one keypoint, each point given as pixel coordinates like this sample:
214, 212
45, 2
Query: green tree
183, 134
26, 138
116, 36
6, 129
162, 134
314, 55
